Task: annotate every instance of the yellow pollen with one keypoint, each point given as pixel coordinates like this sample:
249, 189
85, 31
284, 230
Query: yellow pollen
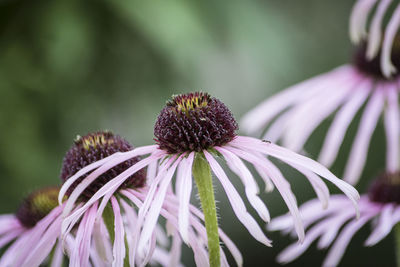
94, 141
191, 103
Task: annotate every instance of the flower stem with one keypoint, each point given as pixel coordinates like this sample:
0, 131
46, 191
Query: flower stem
203, 179
397, 240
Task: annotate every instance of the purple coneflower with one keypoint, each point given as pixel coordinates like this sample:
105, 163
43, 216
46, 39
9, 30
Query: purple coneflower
336, 226
191, 131
373, 36
118, 210
302, 108
33, 231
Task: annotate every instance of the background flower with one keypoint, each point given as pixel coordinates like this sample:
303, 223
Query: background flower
335, 227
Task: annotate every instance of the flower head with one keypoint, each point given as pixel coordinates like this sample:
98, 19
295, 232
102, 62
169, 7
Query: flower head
194, 122
192, 131
93, 147
33, 231
300, 109
336, 226
376, 40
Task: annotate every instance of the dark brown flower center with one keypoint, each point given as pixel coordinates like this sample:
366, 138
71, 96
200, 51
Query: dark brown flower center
193, 122
386, 188
94, 147
372, 67
37, 205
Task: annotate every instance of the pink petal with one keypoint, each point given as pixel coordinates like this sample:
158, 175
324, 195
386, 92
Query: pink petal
387, 67
307, 119
339, 247
43, 248
58, 256
175, 254
375, 33
119, 245
257, 118
392, 128
358, 19
359, 150
35, 235
80, 253
184, 190
152, 216
383, 227
318, 185
341, 122
101, 242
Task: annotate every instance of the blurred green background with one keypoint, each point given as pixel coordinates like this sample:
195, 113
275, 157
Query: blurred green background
71, 67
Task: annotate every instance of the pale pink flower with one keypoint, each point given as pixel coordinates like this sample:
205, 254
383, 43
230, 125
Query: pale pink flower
376, 39
122, 204
197, 123
336, 226
293, 114
34, 231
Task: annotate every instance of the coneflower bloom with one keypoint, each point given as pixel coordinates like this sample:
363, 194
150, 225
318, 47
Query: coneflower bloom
299, 110
191, 131
377, 10
118, 210
33, 231
336, 225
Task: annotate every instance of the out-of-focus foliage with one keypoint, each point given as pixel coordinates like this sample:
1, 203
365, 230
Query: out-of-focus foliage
70, 67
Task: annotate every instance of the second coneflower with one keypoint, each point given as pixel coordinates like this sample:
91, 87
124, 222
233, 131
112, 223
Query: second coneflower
191, 131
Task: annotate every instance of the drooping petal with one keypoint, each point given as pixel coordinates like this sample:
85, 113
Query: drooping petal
281, 184
249, 143
58, 256
108, 163
319, 186
375, 32
392, 28
359, 150
156, 205
383, 227
184, 190
43, 248
341, 122
81, 250
120, 157
257, 118
392, 129
251, 187
304, 122
236, 202
340, 245
358, 19
119, 245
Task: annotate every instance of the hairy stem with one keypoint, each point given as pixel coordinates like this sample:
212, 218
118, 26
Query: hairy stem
203, 179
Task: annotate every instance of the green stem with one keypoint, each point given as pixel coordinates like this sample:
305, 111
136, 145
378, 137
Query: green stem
203, 179
397, 238
108, 217
109, 220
